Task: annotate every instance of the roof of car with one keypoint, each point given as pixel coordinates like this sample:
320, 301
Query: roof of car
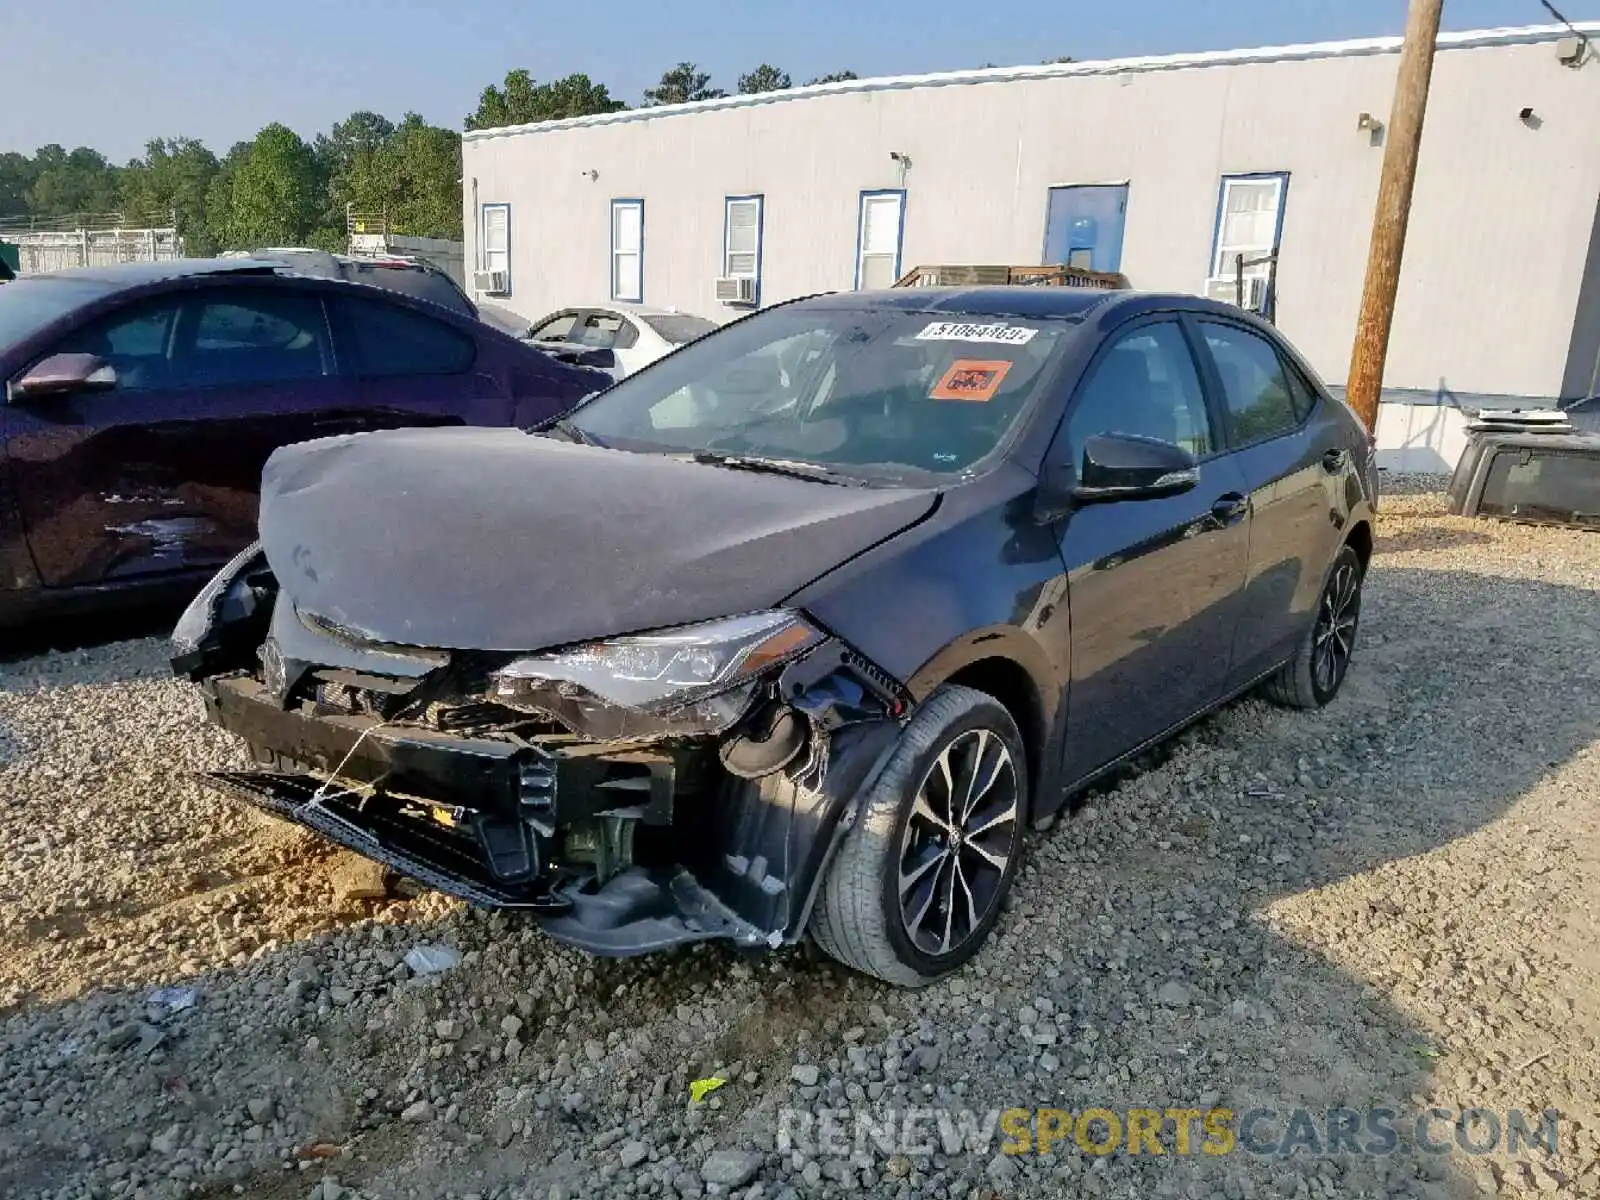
1516, 439
133, 274
1016, 300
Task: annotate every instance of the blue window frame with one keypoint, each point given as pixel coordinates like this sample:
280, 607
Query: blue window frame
880, 237
627, 250
743, 221
1249, 222
1083, 226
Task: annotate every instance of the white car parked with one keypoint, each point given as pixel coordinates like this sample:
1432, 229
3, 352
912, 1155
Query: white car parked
616, 338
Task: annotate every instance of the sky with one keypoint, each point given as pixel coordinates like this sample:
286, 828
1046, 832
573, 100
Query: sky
112, 74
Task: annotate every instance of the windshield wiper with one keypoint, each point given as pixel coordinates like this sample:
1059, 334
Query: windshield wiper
573, 433
776, 466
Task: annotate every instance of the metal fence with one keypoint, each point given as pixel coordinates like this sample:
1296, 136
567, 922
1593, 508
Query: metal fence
88, 240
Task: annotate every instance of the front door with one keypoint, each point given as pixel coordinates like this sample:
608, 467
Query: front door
161, 475
1152, 584
1083, 226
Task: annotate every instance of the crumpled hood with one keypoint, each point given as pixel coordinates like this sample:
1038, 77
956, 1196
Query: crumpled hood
493, 539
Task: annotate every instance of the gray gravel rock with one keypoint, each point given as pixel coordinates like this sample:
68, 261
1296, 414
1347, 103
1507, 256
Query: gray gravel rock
731, 1168
1385, 902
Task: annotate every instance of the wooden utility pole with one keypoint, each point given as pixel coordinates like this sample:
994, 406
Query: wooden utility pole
1394, 209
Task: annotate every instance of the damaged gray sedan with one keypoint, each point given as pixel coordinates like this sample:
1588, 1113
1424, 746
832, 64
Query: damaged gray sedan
796, 630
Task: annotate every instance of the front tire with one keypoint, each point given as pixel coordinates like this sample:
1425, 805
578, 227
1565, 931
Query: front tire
922, 876
1321, 661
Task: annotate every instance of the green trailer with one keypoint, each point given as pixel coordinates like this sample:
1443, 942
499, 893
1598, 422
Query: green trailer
10, 261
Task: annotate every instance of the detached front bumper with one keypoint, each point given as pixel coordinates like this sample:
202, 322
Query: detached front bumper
615, 848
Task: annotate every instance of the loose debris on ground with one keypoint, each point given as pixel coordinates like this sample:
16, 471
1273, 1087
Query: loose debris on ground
1394, 902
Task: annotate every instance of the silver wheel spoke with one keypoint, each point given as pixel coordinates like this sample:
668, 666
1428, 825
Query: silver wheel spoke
1004, 815
949, 908
997, 861
909, 881
974, 768
914, 920
921, 808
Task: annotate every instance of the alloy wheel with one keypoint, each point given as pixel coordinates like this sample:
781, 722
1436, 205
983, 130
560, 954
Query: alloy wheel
1335, 634
956, 848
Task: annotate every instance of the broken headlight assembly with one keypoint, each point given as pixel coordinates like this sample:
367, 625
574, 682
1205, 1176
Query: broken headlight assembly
230, 596
692, 681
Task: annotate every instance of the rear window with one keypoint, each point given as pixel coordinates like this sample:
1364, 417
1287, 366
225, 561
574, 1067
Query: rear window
679, 329
28, 305
387, 339
1539, 485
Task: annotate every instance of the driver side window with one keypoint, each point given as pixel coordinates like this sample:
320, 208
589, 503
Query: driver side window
1147, 385
136, 341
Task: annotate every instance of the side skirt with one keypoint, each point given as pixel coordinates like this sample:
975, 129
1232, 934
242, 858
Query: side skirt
1071, 789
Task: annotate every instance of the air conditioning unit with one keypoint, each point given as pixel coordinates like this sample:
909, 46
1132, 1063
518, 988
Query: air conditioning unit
1226, 288
492, 283
736, 290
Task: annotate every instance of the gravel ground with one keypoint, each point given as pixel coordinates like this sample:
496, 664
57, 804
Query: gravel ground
1393, 902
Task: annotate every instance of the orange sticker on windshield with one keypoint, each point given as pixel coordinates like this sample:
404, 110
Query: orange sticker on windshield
971, 379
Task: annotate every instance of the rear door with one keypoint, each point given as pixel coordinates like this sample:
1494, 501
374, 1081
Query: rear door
1153, 584
161, 475
1293, 453
411, 368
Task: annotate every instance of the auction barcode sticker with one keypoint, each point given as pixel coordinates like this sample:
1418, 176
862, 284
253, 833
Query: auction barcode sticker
955, 331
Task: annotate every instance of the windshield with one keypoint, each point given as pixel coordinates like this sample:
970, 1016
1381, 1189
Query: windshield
679, 329
869, 391
28, 305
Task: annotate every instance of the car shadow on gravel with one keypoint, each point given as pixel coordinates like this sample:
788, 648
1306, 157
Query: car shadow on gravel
1187, 940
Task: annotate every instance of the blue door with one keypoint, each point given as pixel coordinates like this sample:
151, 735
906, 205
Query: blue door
1083, 226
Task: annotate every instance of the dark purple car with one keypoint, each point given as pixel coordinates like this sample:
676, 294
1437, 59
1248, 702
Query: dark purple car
142, 401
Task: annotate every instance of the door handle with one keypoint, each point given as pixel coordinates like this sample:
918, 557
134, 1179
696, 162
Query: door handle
1335, 461
1230, 509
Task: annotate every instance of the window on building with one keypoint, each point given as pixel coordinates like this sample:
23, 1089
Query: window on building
741, 239
1254, 385
1249, 220
627, 250
878, 239
496, 241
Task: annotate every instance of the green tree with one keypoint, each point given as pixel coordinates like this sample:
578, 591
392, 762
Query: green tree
765, 78
416, 179
685, 82
521, 101
1065, 58
73, 182
834, 77
172, 182
17, 174
344, 152
273, 198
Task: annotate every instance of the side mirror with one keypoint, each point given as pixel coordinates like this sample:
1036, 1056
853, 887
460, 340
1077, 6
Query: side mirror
601, 357
1122, 466
63, 375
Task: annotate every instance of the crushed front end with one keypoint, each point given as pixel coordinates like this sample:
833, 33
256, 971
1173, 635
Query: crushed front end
631, 793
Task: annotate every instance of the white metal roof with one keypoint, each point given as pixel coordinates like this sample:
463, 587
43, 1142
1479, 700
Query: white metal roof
1519, 35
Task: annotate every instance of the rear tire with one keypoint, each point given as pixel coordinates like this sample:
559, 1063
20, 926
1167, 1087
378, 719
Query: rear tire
1321, 661
921, 878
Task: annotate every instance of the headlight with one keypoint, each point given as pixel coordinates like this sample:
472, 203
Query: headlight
202, 614
699, 679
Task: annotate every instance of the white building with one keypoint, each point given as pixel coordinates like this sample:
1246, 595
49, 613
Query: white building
1165, 168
